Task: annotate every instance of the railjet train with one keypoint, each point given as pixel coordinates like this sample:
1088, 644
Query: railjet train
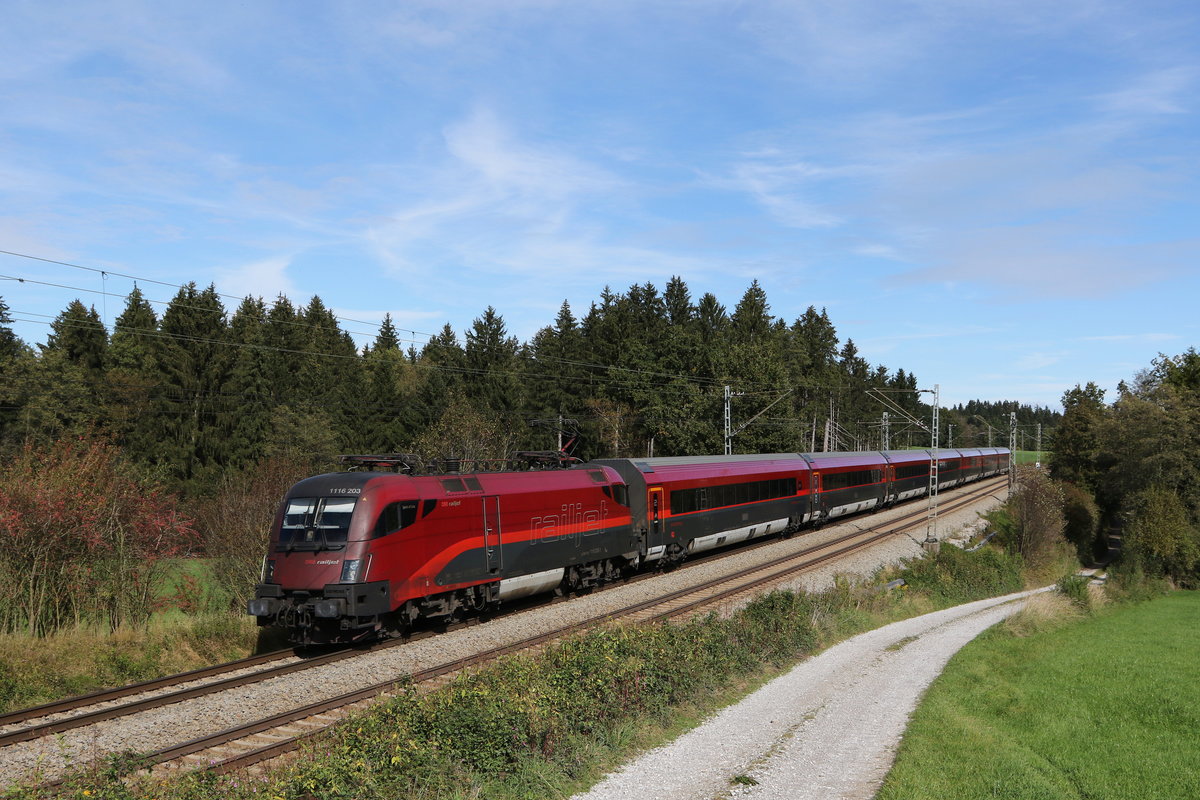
361, 554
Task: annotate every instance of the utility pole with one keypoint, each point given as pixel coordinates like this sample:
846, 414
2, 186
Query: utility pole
729, 431
989, 427
1012, 451
1039, 444
887, 435
950, 436
728, 424
931, 541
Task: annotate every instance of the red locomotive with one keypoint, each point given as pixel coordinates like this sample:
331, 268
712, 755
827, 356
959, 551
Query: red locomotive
361, 554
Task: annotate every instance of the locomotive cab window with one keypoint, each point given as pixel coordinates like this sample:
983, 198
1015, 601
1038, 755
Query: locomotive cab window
396, 516
316, 522
619, 492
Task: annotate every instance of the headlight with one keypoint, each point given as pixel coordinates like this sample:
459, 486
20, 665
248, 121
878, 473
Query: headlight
352, 570
268, 570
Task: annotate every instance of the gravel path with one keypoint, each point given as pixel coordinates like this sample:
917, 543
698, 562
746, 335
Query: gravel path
183, 721
828, 729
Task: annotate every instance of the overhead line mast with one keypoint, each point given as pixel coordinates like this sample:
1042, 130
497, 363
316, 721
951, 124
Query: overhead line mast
931, 540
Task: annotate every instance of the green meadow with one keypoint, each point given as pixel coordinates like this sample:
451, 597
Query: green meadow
1106, 707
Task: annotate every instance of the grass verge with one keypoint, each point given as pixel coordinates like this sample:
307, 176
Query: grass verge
1106, 708
81, 660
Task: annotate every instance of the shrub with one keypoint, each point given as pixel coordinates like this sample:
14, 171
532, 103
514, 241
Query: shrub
955, 576
1162, 536
1082, 518
1036, 509
235, 523
1075, 588
80, 539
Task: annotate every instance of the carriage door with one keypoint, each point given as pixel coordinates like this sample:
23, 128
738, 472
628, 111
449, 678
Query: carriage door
818, 501
654, 508
492, 553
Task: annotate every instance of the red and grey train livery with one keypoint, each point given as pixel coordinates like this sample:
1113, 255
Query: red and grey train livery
360, 554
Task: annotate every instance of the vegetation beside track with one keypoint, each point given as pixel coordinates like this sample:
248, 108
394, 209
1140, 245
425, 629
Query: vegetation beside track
85, 659
1109, 708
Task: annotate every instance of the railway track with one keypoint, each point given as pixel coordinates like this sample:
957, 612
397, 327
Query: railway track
264, 739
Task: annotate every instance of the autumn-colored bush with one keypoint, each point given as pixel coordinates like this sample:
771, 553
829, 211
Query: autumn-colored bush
81, 539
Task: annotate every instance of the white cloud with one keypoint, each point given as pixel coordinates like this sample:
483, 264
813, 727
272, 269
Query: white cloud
509, 167
1159, 92
1032, 362
267, 279
784, 188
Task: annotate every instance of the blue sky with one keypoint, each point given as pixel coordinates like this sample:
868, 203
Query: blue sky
1001, 197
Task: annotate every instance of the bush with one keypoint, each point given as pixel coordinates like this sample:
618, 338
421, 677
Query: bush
1075, 588
80, 539
1082, 518
1036, 510
235, 524
955, 576
1162, 537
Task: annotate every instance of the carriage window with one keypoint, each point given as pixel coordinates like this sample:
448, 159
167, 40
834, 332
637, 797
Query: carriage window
912, 471
844, 480
730, 494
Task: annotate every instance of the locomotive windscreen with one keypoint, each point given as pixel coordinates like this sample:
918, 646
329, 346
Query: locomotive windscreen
316, 522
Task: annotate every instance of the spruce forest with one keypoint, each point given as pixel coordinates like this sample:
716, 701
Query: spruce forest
194, 391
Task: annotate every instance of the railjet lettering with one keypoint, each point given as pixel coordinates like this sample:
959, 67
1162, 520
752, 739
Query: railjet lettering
572, 520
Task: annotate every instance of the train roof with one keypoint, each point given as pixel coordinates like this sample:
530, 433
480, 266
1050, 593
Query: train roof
852, 458
649, 465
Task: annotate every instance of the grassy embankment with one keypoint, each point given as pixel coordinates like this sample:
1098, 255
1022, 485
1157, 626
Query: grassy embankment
1105, 708
191, 628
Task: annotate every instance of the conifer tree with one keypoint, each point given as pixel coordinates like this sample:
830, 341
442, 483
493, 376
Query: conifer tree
132, 377
556, 374
441, 368
79, 334
133, 337
331, 380
192, 359
685, 419
10, 345
490, 356
385, 419
247, 388
12, 395
757, 366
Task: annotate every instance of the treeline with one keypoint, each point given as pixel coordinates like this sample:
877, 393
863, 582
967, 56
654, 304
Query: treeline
1134, 469
981, 423
197, 392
